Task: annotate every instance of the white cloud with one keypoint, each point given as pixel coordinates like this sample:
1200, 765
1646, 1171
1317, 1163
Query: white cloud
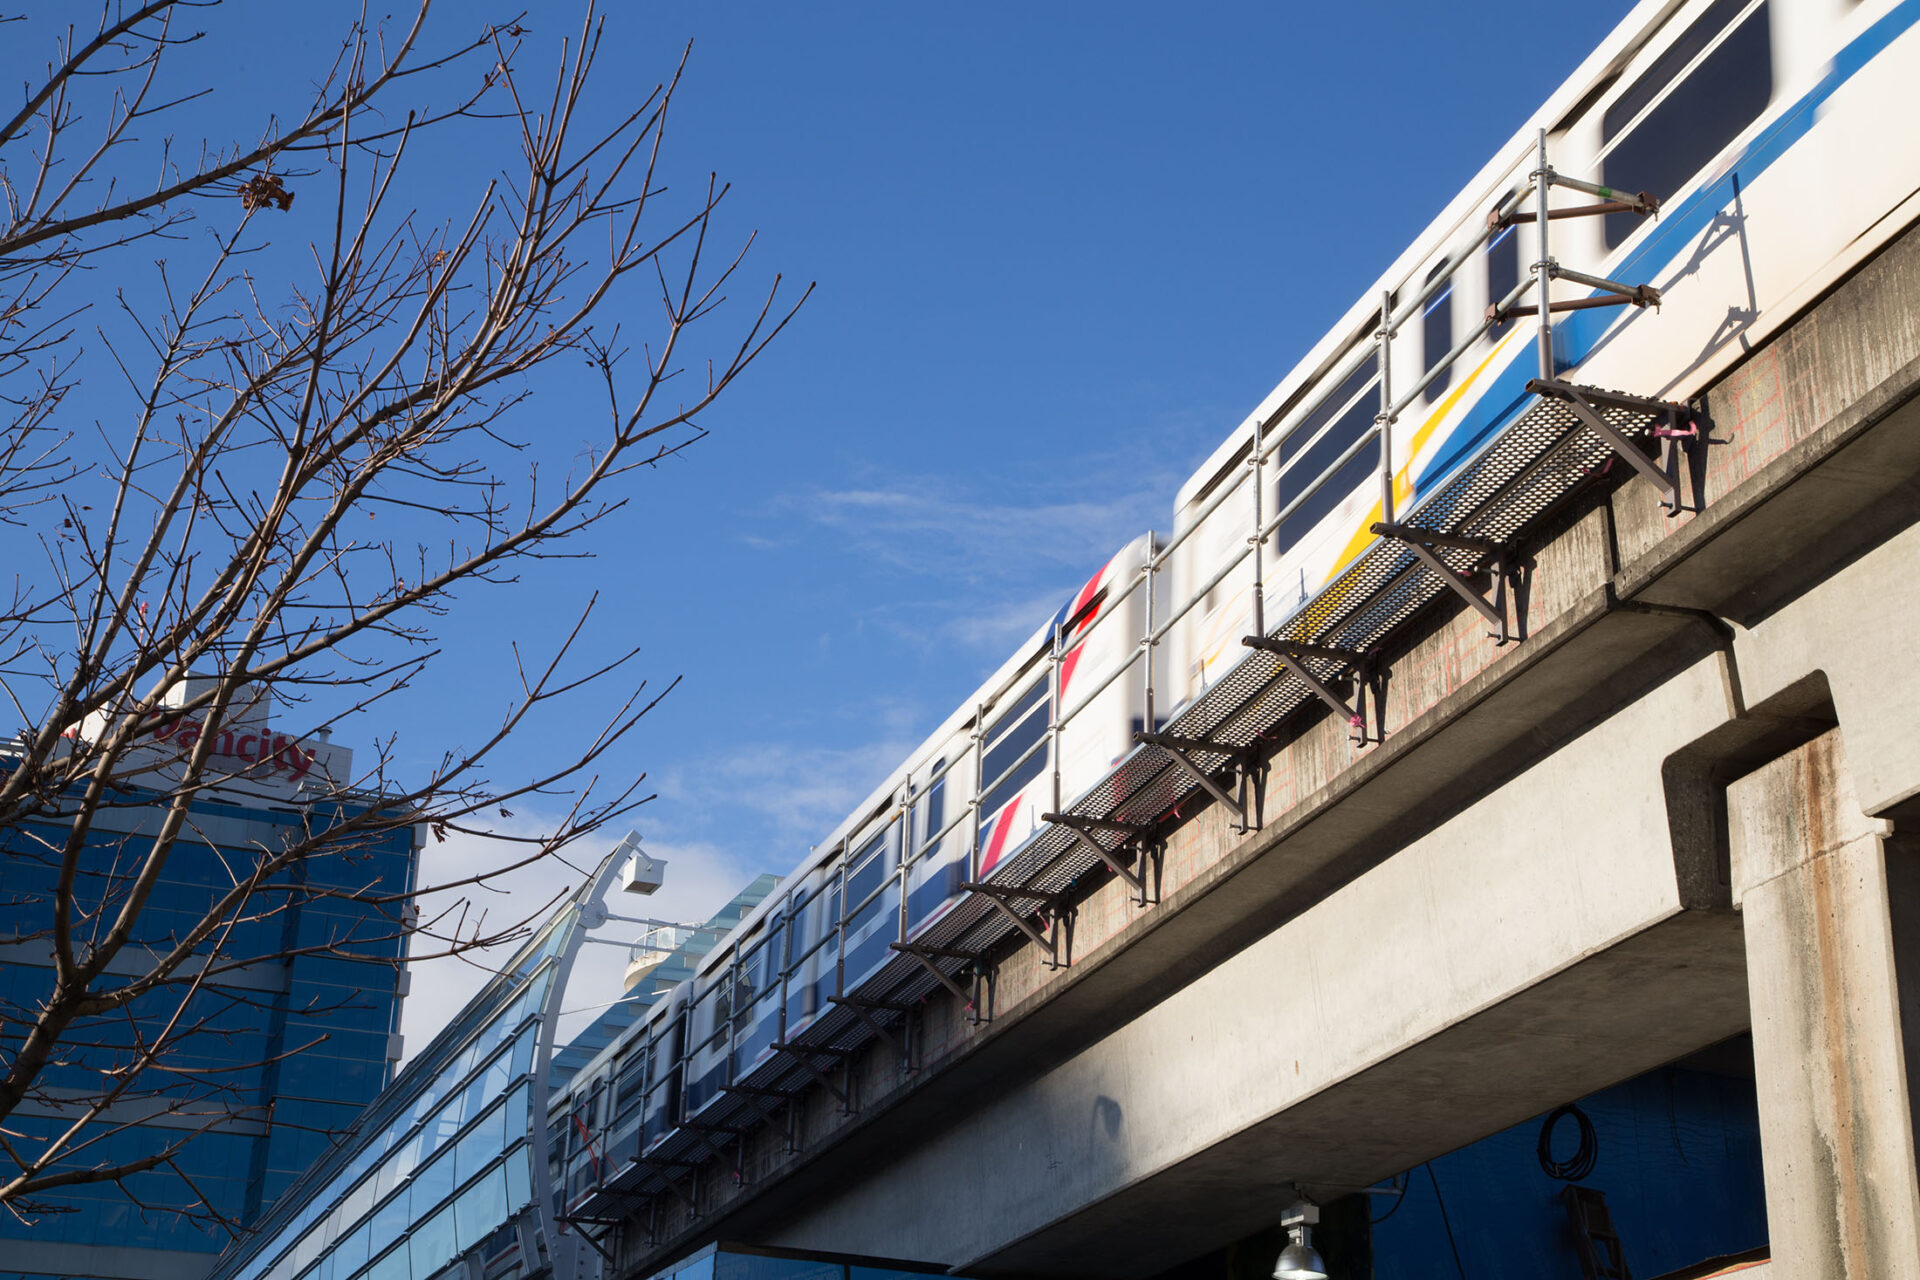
918, 527
795, 792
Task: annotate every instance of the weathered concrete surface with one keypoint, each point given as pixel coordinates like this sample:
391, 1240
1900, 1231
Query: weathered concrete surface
1465, 984
1798, 583
1860, 628
1830, 1025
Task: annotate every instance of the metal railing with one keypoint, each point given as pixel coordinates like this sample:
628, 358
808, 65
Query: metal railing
1509, 193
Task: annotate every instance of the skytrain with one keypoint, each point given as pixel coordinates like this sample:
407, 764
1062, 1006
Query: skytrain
1710, 170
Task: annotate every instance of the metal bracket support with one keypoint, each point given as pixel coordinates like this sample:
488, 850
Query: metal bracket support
703, 1134
926, 955
1289, 656
1663, 474
756, 1099
1422, 541
1181, 750
1083, 827
802, 1054
689, 1202
587, 1236
1003, 897
863, 1010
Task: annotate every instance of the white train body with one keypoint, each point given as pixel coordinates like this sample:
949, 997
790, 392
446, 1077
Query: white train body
1780, 138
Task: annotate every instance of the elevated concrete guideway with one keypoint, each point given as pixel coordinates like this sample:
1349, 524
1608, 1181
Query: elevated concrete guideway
1679, 809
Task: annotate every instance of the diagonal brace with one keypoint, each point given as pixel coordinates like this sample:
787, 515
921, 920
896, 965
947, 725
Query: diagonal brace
1668, 486
1178, 748
1082, 829
802, 1054
1416, 540
1285, 655
756, 1098
926, 960
598, 1248
865, 1014
1000, 898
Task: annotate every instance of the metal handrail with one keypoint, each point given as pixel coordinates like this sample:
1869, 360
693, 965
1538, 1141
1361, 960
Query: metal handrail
1270, 435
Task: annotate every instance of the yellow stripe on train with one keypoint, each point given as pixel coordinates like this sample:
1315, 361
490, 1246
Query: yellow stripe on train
1363, 537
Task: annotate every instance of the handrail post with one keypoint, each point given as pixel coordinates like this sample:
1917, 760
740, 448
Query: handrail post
1543, 269
1259, 521
1385, 418
1146, 636
1053, 711
979, 782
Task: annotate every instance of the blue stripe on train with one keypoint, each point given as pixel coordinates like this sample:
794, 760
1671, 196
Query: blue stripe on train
1581, 332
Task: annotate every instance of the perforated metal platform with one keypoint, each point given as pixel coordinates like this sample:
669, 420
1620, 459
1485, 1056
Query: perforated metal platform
1539, 456
1540, 459
1535, 463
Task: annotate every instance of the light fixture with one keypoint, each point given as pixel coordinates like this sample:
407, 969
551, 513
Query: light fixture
1300, 1260
642, 874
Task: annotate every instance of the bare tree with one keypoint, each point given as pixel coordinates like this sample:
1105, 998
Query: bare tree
327, 433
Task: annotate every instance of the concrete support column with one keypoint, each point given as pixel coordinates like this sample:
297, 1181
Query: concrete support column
1826, 894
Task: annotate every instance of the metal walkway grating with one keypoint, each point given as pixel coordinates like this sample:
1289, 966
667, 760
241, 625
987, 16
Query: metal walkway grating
1550, 445
1535, 463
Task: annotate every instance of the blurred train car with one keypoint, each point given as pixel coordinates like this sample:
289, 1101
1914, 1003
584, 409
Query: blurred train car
1778, 137
1771, 134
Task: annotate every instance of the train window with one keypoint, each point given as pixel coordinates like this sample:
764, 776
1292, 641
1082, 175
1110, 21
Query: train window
868, 869
933, 806
746, 981
1351, 411
1503, 274
1698, 116
1340, 404
631, 1082
1009, 738
774, 955
720, 1006
1436, 335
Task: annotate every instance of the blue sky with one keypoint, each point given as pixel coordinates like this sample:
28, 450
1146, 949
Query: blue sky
1061, 250
1060, 255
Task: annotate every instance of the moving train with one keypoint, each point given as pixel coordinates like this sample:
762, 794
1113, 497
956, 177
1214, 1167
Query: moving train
1775, 143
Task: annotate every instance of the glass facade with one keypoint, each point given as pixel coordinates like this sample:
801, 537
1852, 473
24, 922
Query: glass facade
439, 1163
437, 1175
280, 1053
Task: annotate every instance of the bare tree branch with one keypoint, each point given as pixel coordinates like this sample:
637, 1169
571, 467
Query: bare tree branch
318, 454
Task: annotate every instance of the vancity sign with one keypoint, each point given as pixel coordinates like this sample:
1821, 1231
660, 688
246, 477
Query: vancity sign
275, 751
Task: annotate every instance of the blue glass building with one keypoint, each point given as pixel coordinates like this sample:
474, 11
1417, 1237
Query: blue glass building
272, 1057
440, 1176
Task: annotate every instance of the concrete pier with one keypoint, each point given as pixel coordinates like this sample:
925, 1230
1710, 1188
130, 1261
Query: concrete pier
1828, 898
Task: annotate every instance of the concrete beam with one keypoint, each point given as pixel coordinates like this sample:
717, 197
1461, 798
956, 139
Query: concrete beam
1857, 628
1463, 985
1813, 485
